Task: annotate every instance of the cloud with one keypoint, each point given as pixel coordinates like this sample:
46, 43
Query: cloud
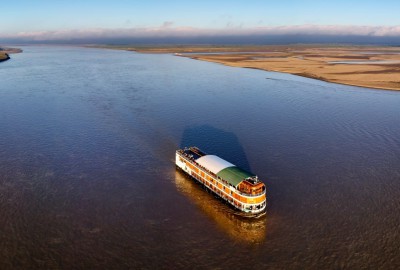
167, 24
337, 30
167, 29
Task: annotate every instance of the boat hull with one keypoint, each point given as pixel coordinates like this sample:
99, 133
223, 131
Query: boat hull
247, 205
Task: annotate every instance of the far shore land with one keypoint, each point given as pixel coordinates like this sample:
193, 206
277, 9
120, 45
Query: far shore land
365, 66
4, 53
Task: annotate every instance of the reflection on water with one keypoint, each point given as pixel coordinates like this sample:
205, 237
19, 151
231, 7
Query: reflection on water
228, 220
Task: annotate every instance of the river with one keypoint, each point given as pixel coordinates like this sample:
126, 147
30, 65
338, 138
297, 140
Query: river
87, 174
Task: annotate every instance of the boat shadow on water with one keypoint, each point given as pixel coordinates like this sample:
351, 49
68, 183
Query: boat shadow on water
216, 141
230, 221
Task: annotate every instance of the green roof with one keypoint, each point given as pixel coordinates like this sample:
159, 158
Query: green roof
234, 175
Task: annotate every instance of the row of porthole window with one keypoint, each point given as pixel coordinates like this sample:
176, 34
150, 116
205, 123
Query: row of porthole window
248, 207
255, 207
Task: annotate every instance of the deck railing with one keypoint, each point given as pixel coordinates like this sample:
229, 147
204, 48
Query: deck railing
219, 179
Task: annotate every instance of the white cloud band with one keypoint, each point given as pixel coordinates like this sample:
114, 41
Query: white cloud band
167, 30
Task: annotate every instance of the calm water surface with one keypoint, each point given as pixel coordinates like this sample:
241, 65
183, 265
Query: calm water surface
87, 175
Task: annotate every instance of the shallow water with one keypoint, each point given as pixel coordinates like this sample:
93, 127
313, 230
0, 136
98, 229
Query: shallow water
87, 175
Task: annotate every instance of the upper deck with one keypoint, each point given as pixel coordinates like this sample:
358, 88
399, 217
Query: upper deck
243, 181
192, 153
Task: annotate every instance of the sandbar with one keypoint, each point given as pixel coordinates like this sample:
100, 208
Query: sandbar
365, 66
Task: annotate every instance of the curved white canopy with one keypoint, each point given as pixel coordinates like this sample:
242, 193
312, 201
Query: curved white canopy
213, 163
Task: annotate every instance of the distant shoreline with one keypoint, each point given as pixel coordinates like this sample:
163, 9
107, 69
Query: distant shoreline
375, 67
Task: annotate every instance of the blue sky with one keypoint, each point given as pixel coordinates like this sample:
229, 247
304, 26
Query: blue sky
30, 16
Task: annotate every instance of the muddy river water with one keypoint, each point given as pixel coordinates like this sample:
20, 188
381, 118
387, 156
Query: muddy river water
88, 181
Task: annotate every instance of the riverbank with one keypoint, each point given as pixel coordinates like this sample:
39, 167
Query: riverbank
5, 53
365, 66
4, 57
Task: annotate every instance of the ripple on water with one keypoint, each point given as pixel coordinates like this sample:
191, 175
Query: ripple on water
87, 175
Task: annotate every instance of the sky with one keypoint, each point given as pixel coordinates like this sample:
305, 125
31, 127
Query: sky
46, 20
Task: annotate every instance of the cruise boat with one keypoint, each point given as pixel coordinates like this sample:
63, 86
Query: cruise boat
241, 189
